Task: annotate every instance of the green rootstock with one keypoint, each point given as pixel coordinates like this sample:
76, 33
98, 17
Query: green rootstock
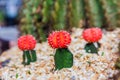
63, 58
29, 56
91, 48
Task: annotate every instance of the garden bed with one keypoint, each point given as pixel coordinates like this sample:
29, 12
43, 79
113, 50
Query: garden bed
86, 66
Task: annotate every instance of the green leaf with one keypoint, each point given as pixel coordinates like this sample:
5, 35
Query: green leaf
63, 58
90, 48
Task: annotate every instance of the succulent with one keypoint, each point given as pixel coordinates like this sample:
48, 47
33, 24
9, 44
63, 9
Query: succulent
59, 14
63, 57
92, 36
27, 43
39, 17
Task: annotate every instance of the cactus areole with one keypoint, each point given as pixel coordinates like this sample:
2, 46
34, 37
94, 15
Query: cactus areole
27, 43
92, 36
63, 57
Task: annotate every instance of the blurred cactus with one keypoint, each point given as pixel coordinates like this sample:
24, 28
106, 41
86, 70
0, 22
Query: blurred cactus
94, 13
47, 10
77, 12
118, 11
38, 17
110, 9
30, 19
59, 14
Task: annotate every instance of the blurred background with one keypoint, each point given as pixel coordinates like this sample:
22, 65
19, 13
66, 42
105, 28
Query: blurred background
40, 17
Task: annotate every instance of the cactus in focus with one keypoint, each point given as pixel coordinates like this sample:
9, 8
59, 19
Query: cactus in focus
63, 57
27, 43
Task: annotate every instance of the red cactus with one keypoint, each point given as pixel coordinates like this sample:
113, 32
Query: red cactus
59, 39
26, 42
92, 34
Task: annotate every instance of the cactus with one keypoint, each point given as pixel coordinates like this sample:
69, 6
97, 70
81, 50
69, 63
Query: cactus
94, 13
26, 21
59, 14
117, 2
110, 13
92, 36
27, 44
76, 12
47, 9
41, 16
63, 57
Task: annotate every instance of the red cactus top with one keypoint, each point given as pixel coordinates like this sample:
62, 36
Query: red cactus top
92, 34
26, 42
59, 39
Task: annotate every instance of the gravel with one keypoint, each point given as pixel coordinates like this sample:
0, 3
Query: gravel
86, 66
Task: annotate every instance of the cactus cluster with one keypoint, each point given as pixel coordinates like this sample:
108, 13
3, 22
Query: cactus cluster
41, 16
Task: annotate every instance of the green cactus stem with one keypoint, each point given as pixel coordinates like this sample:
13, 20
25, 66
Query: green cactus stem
110, 9
63, 59
96, 13
33, 56
47, 8
92, 47
59, 14
29, 56
117, 2
76, 12
26, 58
